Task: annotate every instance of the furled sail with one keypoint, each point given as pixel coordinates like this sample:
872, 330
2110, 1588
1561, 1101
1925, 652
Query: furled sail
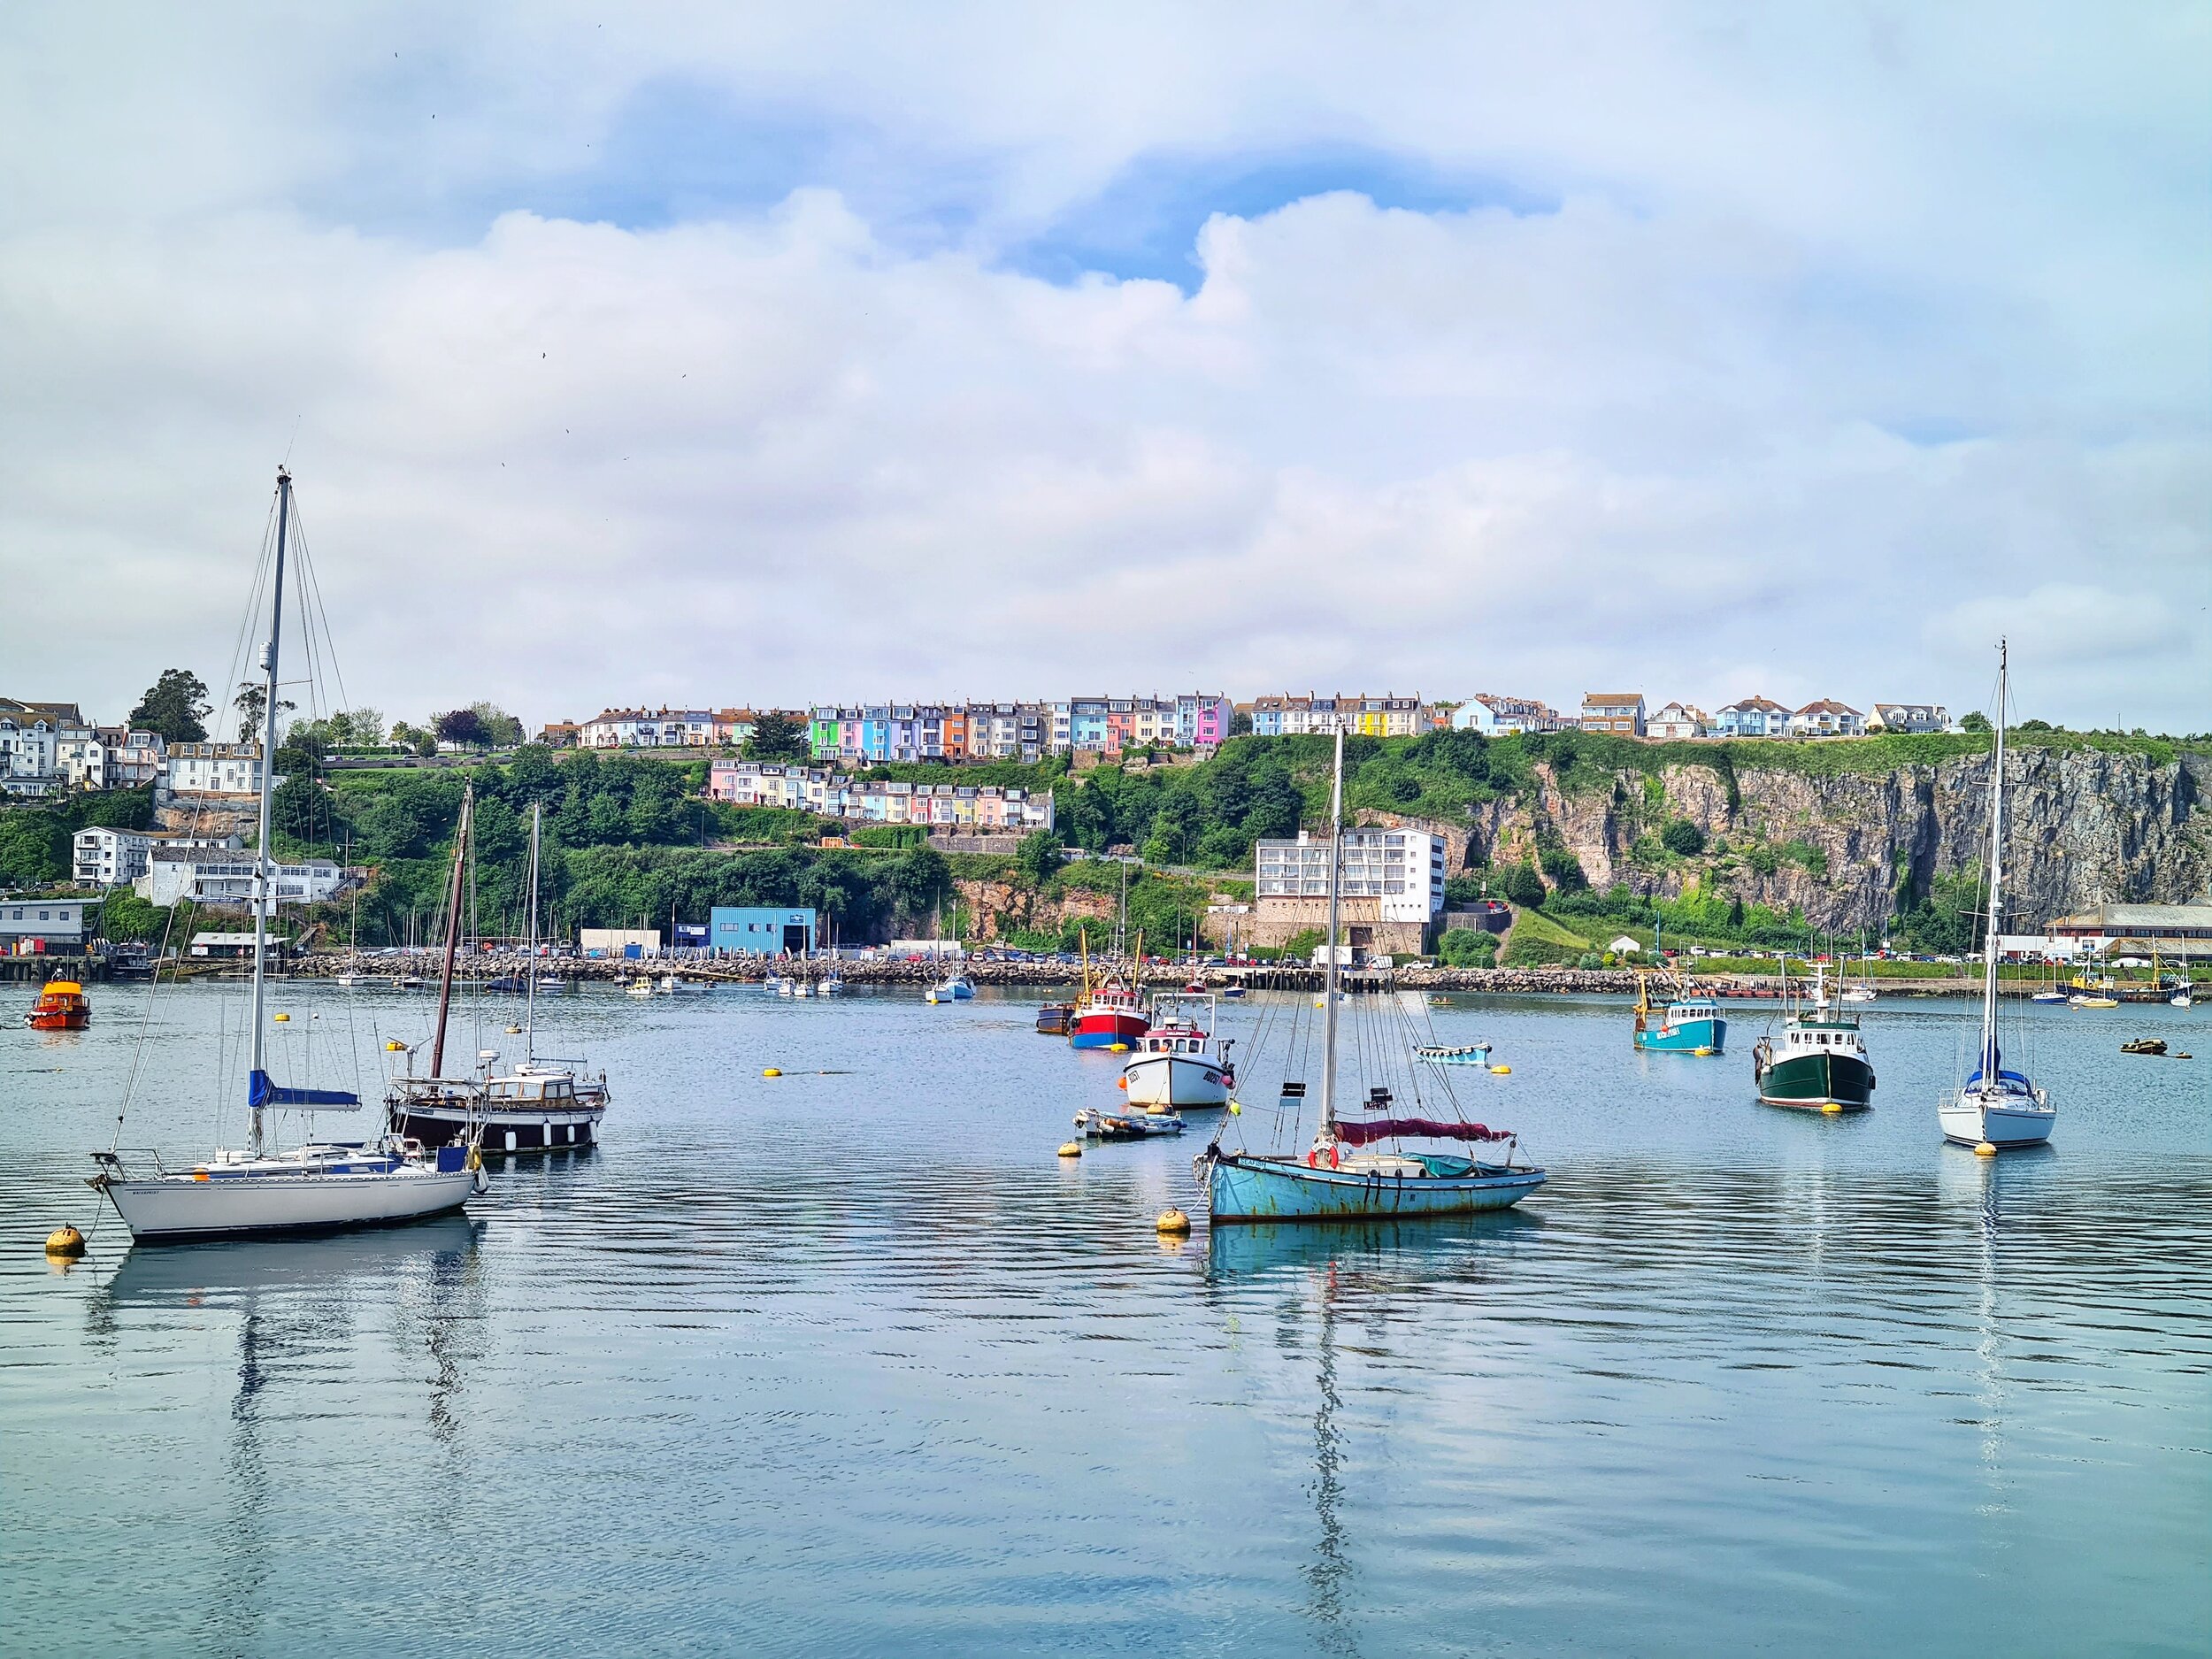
1355, 1133
261, 1093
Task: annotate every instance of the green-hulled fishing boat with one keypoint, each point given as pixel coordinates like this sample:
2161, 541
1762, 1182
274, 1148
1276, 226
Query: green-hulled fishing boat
1820, 1065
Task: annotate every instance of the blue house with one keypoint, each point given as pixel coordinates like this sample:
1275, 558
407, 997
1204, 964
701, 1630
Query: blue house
762, 931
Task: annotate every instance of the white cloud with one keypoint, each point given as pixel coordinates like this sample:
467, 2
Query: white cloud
782, 455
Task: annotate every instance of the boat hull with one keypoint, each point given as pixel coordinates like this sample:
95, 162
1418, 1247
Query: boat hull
1175, 1079
568, 1130
1245, 1188
1815, 1081
69, 1019
1103, 1028
1690, 1036
1998, 1120
174, 1210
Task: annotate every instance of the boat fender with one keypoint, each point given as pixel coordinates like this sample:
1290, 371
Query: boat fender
476, 1159
1236, 1108
1121, 1082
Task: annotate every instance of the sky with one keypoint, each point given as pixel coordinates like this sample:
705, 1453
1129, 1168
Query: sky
724, 355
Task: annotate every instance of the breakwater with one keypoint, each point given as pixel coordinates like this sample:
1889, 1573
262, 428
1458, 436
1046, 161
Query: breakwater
479, 966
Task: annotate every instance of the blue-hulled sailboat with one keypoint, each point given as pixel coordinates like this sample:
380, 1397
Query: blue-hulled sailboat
1338, 1177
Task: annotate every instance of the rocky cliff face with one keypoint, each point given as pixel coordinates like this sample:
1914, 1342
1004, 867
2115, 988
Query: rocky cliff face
2083, 828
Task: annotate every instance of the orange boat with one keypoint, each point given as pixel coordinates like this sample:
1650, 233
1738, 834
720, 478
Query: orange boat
61, 1006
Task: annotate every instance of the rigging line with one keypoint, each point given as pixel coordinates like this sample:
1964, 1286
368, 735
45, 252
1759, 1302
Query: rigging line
145, 1020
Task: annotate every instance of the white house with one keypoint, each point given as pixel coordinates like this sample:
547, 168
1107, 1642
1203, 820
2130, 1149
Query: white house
218, 769
30, 736
1493, 715
653, 728
1753, 716
105, 857
1676, 720
1827, 717
1908, 717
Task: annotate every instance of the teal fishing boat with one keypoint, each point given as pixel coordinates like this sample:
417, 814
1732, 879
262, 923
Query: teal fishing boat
1359, 1166
1686, 1025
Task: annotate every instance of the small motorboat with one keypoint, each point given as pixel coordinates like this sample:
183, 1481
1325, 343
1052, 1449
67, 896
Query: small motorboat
640, 986
2145, 1045
1455, 1053
2048, 996
2180, 999
1140, 1125
1180, 1062
61, 1006
802, 989
1053, 1019
1857, 994
2094, 1001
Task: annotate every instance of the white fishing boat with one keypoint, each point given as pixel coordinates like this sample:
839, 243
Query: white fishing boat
1996, 1107
1179, 1062
319, 1185
640, 986
1337, 1178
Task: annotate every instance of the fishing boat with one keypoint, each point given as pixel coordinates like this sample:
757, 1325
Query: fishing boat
1688, 1024
1179, 1062
1337, 1178
1821, 1063
318, 1186
1053, 1019
536, 1106
641, 986
1109, 1012
1995, 1107
61, 1006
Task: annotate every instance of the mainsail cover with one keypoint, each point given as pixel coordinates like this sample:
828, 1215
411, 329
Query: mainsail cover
1359, 1134
262, 1093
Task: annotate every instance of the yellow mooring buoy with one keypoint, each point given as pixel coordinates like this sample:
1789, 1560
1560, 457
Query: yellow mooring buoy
773, 1071
393, 1045
1071, 1149
1984, 1151
1118, 1048
1172, 1221
281, 1019
1502, 1071
65, 1241
514, 1030
1832, 1106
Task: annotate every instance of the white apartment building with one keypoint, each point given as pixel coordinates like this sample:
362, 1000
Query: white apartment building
1404, 870
104, 857
210, 769
1356, 714
213, 877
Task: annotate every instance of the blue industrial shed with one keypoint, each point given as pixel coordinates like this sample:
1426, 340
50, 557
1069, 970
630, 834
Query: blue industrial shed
762, 930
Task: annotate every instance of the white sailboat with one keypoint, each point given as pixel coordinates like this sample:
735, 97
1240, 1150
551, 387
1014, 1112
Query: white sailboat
1996, 1108
315, 1186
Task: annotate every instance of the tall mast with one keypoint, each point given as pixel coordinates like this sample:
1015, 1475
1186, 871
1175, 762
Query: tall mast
1996, 883
452, 927
530, 957
1329, 978
263, 869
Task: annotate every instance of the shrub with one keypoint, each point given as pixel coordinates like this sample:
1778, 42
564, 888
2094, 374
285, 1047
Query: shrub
1464, 948
1682, 838
1524, 886
1565, 870
1524, 952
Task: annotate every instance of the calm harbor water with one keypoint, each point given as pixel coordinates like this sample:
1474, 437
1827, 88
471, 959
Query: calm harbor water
847, 1360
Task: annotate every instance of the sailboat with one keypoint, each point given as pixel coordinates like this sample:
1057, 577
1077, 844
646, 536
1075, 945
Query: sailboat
1335, 1180
1994, 1108
315, 1186
540, 1106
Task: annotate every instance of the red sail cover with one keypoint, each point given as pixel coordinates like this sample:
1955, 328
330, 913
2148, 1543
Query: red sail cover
1358, 1135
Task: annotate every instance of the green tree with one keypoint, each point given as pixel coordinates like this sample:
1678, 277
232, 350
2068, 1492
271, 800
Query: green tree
1682, 838
500, 728
464, 727
1040, 857
252, 703
176, 706
34, 848
1974, 720
778, 737
919, 879
1524, 886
